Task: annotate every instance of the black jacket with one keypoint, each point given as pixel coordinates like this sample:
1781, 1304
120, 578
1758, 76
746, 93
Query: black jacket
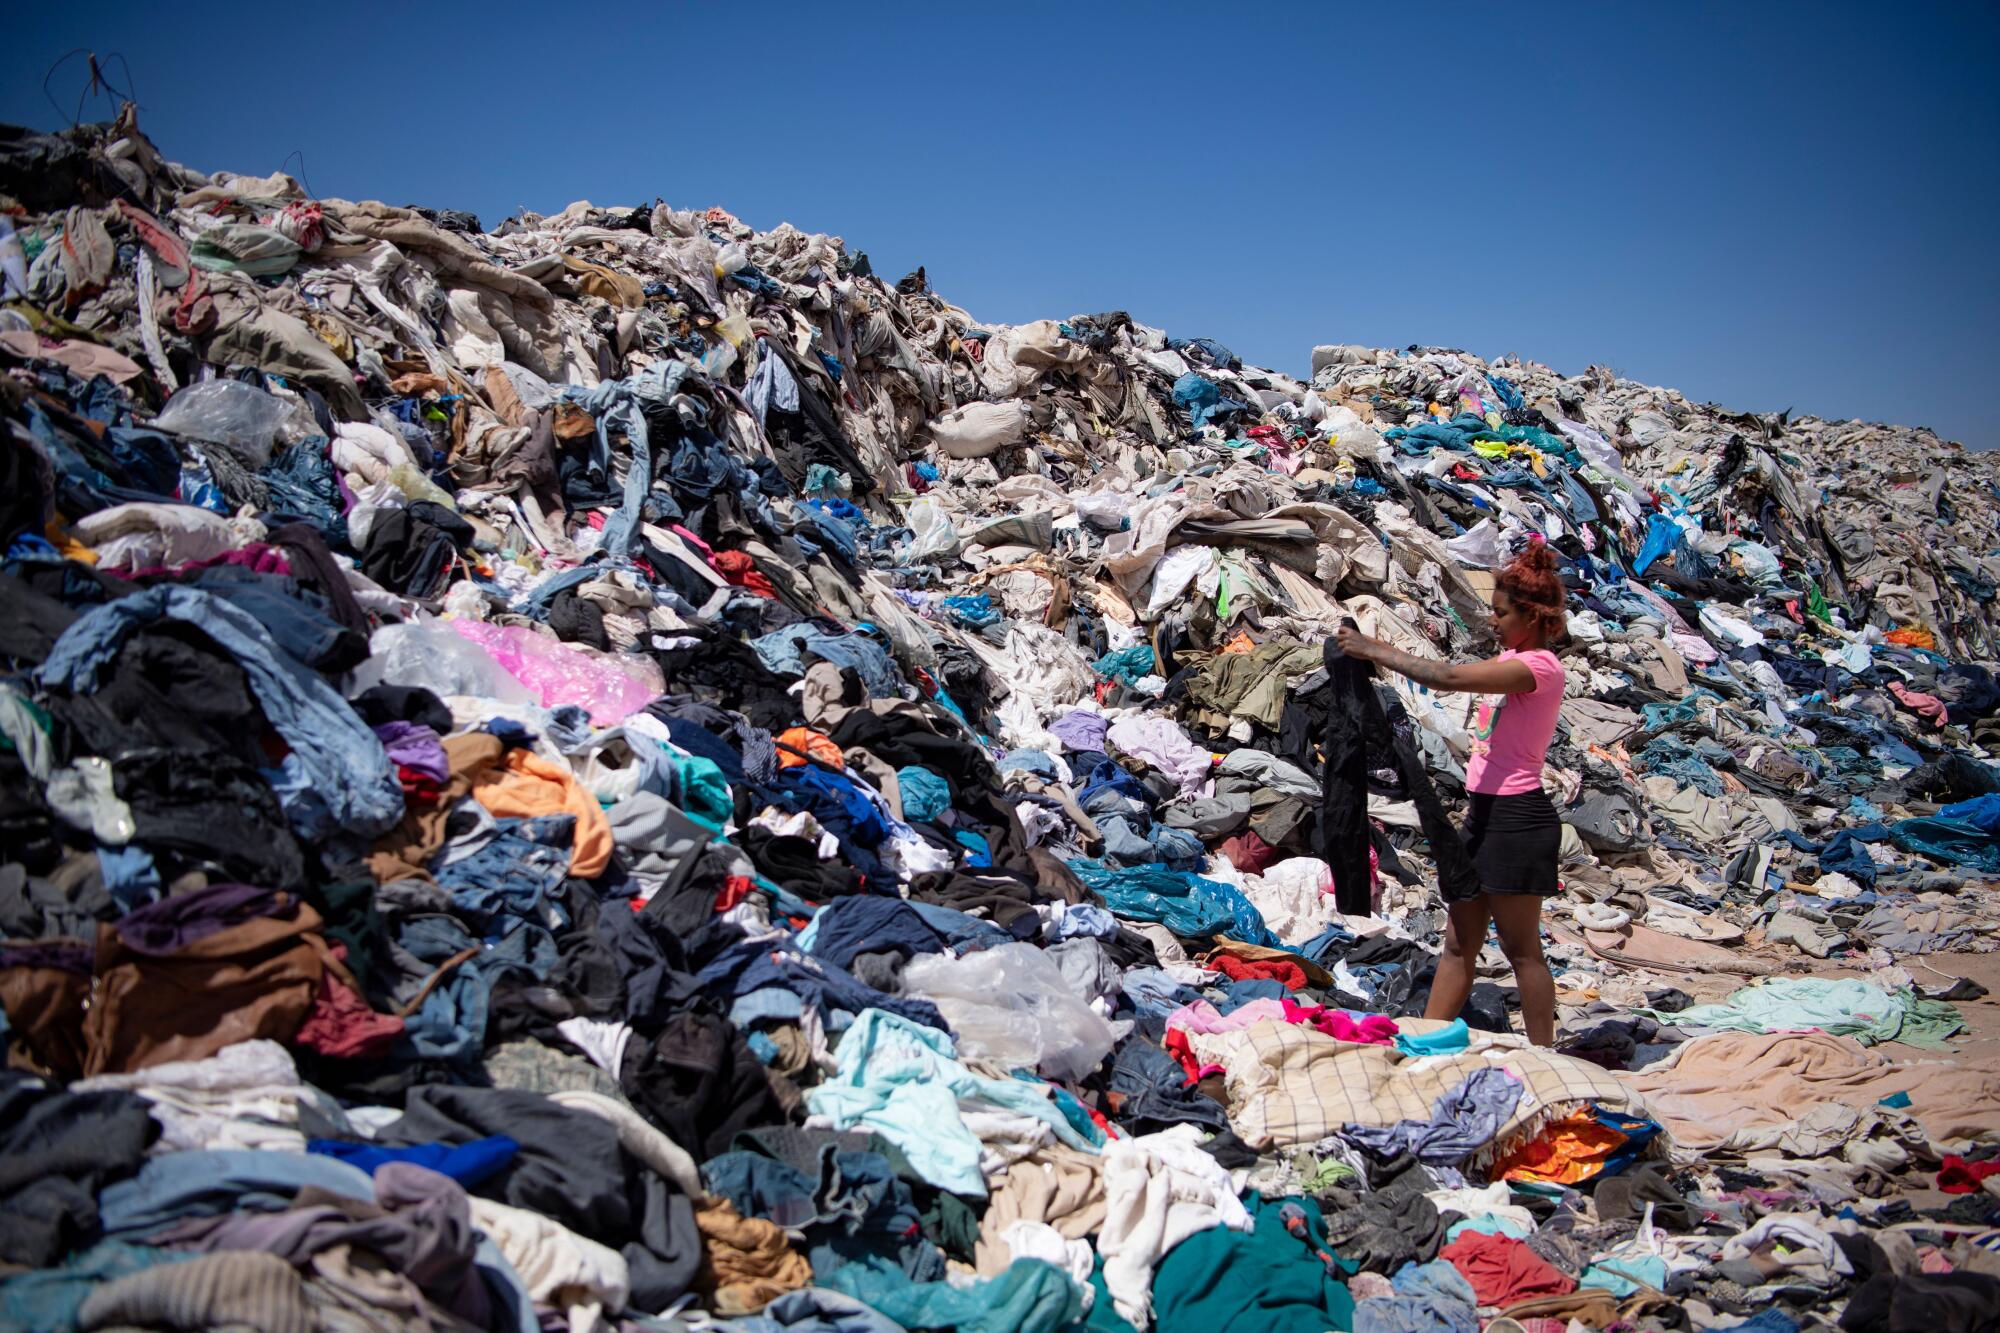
1359, 739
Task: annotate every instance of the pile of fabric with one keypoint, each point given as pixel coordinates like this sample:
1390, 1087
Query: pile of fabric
623, 771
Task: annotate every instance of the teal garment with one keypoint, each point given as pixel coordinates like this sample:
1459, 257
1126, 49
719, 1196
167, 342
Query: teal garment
1844, 1008
1265, 1280
704, 791
1539, 438
903, 1081
1188, 905
1622, 1277
1448, 1040
49, 1298
1073, 1110
1488, 1224
1660, 716
1032, 1296
1127, 666
925, 794
1949, 840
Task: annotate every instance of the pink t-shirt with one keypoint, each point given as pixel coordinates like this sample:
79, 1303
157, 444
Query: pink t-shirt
1511, 732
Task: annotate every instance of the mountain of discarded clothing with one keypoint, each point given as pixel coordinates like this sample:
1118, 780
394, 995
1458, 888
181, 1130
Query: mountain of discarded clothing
623, 760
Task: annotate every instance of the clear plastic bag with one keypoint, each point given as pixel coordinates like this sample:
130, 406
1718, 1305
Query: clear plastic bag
237, 416
932, 536
431, 655
609, 689
1010, 1005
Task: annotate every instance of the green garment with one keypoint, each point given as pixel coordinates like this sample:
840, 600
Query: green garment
244, 247
1032, 1296
1844, 1008
950, 1224
1264, 1281
1250, 685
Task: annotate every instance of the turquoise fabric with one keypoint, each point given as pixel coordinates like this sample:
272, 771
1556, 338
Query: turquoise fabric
1032, 1296
1622, 1277
903, 1081
1844, 1008
1447, 1040
1265, 1280
1127, 666
704, 791
1488, 1224
49, 1298
925, 794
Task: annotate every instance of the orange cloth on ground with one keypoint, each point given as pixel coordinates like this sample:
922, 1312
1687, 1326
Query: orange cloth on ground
1912, 638
1571, 1149
525, 785
805, 741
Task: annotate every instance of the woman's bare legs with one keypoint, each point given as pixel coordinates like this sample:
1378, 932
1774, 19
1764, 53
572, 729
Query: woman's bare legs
1518, 918
1463, 936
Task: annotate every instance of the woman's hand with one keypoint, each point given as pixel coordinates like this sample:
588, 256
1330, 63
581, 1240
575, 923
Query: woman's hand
1353, 643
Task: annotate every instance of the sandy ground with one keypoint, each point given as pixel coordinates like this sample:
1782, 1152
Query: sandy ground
1979, 1044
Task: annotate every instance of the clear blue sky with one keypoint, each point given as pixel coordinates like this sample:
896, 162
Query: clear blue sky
1764, 205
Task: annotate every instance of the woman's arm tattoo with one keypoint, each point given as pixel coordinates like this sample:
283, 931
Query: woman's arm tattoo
1427, 671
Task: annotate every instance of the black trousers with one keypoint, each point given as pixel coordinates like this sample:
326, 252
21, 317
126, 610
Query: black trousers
1359, 738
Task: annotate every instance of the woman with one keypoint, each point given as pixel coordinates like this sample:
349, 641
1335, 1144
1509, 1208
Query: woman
1512, 830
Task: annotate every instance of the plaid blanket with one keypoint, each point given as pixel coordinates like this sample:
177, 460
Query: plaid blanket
1289, 1083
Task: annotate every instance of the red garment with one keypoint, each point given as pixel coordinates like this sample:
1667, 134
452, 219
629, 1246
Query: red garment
733, 891
340, 1023
1367, 1030
738, 570
196, 311
166, 245
1958, 1176
1277, 969
1248, 853
1503, 1271
1176, 1045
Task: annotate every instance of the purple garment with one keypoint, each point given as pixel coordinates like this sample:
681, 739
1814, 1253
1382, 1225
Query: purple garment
63, 955
415, 747
1463, 1121
420, 1224
172, 924
1080, 730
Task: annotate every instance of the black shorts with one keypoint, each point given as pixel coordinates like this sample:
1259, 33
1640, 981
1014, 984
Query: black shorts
1515, 842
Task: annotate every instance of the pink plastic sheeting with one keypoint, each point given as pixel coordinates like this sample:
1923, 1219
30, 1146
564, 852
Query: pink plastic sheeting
558, 673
